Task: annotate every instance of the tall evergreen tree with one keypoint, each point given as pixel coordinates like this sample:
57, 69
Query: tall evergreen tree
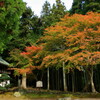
37, 26
84, 6
27, 33
51, 15
24, 31
26, 23
30, 26
10, 13
58, 11
46, 9
45, 14
92, 5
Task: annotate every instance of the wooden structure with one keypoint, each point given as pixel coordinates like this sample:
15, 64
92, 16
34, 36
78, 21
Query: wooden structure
3, 66
4, 77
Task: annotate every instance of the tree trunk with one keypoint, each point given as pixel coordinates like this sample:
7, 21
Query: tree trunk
48, 79
19, 82
73, 81
24, 81
90, 80
64, 78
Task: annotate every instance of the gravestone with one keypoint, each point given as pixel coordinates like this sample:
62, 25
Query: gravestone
39, 84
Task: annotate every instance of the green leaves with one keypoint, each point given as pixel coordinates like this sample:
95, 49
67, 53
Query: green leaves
84, 6
9, 20
51, 15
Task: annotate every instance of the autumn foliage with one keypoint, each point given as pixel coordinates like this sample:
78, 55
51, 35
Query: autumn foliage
27, 60
76, 39
74, 42
1, 3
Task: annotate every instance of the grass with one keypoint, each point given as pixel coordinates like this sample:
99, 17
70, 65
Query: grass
39, 94
72, 95
87, 95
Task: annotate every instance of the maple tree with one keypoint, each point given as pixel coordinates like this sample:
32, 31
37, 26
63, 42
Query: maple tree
85, 45
77, 40
74, 42
26, 61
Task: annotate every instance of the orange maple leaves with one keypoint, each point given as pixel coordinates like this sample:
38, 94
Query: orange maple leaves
28, 60
81, 38
76, 39
30, 50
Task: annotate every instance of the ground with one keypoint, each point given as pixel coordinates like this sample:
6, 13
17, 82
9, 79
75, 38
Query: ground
32, 94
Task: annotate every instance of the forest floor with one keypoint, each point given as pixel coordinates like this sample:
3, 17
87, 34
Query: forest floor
35, 94
10, 96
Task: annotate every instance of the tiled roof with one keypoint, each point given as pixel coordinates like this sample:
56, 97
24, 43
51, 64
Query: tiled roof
3, 62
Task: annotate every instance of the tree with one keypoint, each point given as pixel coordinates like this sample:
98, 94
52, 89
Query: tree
46, 9
76, 42
26, 22
10, 13
51, 15
54, 48
88, 54
28, 32
59, 10
45, 14
37, 27
84, 6
58, 61
29, 26
84, 43
25, 62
